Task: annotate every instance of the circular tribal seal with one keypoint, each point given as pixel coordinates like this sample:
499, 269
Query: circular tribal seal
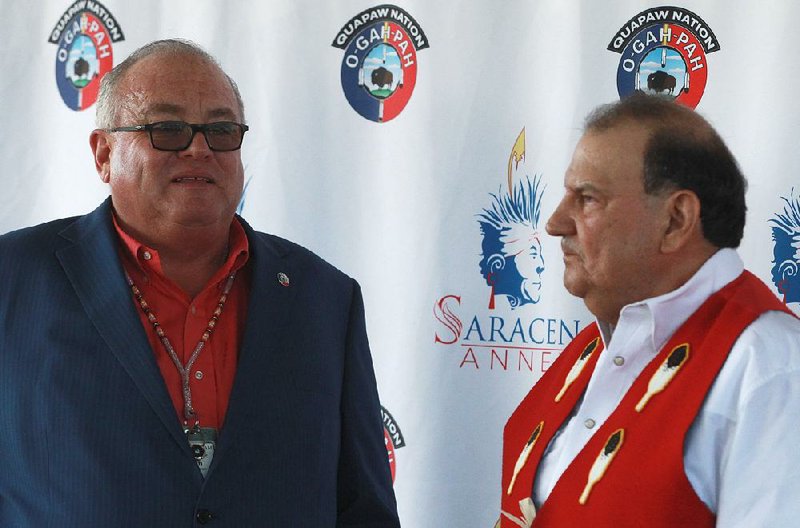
663, 51
379, 68
393, 439
84, 35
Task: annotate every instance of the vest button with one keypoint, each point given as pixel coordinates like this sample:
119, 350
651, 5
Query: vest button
204, 516
589, 423
619, 361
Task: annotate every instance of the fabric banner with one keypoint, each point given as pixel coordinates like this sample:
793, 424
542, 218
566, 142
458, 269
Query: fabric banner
420, 147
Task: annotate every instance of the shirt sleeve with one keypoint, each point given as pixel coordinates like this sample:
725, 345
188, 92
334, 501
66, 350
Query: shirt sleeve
742, 454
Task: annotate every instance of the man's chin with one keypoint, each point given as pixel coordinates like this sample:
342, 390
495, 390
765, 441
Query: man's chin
576, 286
199, 219
199, 212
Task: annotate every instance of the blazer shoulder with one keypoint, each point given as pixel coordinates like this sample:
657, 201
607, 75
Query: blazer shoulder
38, 239
301, 256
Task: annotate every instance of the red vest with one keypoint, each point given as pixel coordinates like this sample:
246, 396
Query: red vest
631, 472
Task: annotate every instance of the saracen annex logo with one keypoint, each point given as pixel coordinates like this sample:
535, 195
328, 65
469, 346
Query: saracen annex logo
393, 438
379, 68
663, 50
500, 331
786, 249
84, 35
512, 261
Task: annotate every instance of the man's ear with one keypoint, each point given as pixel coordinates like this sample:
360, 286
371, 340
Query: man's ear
100, 142
683, 210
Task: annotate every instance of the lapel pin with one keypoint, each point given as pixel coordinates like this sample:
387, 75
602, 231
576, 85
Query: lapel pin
283, 279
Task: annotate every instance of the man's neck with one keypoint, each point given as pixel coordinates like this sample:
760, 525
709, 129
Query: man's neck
191, 266
189, 256
670, 275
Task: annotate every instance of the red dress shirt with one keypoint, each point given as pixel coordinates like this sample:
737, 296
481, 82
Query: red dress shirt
184, 319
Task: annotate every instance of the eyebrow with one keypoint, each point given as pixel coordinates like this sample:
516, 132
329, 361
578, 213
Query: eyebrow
170, 108
164, 108
222, 112
582, 187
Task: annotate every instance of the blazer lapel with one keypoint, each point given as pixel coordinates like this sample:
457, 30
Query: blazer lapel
269, 305
93, 267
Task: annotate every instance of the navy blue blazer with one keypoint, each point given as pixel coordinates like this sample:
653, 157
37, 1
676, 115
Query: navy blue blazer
89, 436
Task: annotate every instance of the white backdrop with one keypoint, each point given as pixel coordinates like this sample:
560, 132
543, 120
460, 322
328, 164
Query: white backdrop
397, 204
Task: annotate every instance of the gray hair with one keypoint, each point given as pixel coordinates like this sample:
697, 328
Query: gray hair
105, 111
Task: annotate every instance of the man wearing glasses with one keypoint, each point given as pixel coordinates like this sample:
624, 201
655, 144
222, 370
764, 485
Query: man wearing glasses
164, 365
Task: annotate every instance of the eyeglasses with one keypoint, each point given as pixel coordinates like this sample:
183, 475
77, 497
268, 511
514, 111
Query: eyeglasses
221, 136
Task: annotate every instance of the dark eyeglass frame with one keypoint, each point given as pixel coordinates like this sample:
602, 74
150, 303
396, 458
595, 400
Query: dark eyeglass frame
195, 127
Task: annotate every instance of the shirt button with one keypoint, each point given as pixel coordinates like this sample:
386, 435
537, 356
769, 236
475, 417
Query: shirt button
193, 310
146, 255
198, 374
204, 516
589, 423
619, 361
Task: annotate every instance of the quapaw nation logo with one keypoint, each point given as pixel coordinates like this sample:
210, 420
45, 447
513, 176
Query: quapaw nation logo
786, 249
663, 50
379, 68
393, 439
511, 261
84, 35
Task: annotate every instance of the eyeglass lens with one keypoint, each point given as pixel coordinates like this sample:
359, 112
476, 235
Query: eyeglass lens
176, 135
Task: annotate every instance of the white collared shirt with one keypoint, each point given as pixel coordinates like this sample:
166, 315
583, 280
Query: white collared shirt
742, 453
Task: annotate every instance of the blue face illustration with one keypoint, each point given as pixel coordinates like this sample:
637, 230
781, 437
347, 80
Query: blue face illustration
530, 265
785, 264
512, 262
517, 276
786, 251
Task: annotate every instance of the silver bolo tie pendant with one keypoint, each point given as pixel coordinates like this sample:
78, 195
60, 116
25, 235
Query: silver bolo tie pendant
202, 441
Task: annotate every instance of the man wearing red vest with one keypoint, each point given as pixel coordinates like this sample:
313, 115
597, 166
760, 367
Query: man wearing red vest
680, 406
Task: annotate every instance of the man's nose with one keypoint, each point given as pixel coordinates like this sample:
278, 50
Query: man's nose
557, 224
198, 148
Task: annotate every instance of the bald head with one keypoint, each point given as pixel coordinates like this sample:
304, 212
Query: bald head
108, 100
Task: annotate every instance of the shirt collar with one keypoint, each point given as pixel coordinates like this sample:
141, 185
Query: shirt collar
148, 260
667, 312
